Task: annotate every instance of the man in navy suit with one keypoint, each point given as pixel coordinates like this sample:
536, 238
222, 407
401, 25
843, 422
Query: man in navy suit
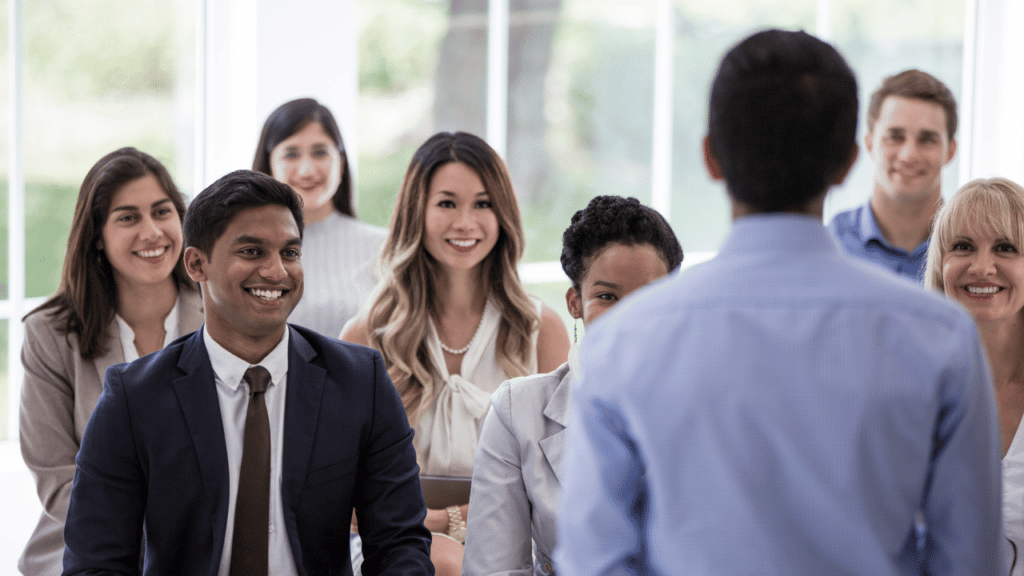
183, 441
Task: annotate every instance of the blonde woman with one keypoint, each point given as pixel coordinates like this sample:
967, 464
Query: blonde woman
450, 317
975, 257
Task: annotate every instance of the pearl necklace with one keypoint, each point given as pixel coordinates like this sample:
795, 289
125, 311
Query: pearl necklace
457, 352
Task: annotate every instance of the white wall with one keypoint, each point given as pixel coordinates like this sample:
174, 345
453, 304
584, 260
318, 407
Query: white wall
260, 54
992, 107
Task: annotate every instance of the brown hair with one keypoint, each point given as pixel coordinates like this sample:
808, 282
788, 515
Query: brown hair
914, 84
87, 295
994, 204
405, 298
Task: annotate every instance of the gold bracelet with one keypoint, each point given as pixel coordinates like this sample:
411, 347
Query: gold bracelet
456, 525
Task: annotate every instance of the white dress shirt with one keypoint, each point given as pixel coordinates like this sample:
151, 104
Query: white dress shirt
233, 397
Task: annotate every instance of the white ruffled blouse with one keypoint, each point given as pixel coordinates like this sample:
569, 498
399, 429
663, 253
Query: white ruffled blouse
448, 433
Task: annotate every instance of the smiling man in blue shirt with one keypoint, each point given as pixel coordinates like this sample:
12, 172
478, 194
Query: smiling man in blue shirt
911, 136
784, 408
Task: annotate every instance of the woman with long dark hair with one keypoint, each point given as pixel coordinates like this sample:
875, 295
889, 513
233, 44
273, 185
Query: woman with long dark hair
123, 293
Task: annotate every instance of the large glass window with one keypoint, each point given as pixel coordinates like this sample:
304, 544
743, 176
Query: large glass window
98, 76
582, 76
877, 45
95, 77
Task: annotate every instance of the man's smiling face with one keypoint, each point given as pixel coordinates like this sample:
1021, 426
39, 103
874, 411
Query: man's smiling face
909, 145
252, 279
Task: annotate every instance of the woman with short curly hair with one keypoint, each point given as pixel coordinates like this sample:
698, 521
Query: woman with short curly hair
613, 247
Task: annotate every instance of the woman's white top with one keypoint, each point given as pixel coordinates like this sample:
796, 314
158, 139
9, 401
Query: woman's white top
447, 433
1013, 499
339, 259
126, 335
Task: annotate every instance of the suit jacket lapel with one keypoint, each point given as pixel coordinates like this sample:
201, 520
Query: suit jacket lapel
301, 410
197, 396
557, 411
114, 354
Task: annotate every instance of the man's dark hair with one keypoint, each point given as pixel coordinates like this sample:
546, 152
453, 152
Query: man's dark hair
782, 119
214, 208
614, 219
920, 86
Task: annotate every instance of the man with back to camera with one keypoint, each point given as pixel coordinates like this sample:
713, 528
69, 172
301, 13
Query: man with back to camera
911, 135
783, 408
243, 448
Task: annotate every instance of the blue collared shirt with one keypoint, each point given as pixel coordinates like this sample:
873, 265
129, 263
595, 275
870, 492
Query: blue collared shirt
782, 409
858, 232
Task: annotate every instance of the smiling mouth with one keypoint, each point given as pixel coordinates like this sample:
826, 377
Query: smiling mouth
152, 252
908, 173
463, 243
267, 295
983, 290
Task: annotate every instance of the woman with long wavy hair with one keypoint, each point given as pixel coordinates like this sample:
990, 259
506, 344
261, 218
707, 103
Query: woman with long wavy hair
451, 317
123, 293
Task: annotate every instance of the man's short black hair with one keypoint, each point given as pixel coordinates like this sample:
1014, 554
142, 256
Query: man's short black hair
782, 119
614, 219
214, 208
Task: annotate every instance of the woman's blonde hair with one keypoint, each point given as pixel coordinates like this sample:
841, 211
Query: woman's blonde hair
994, 205
406, 297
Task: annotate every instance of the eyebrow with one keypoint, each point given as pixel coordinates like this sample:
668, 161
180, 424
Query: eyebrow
246, 239
449, 193
130, 207
902, 130
608, 284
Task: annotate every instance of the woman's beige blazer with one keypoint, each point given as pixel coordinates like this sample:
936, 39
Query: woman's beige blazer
57, 397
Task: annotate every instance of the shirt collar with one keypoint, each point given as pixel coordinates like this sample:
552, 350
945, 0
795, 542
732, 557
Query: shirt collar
778, 232
230, 369
869, 229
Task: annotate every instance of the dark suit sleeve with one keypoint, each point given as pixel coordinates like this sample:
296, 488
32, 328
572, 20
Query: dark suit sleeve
389, 503
103, 533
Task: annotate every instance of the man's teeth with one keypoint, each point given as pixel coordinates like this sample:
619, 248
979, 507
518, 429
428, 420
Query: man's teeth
152, 253
463, 243
266, 294
985, 290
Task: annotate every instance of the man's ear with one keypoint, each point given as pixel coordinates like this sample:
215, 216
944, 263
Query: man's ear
195, 264
867, 142
572, 301
952, 150
710, 162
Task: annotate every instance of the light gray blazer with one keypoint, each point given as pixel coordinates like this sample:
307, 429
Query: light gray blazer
58, 395
514, 499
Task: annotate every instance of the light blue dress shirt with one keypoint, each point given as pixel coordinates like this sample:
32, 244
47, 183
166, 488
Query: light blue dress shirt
782, 409
858, 232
